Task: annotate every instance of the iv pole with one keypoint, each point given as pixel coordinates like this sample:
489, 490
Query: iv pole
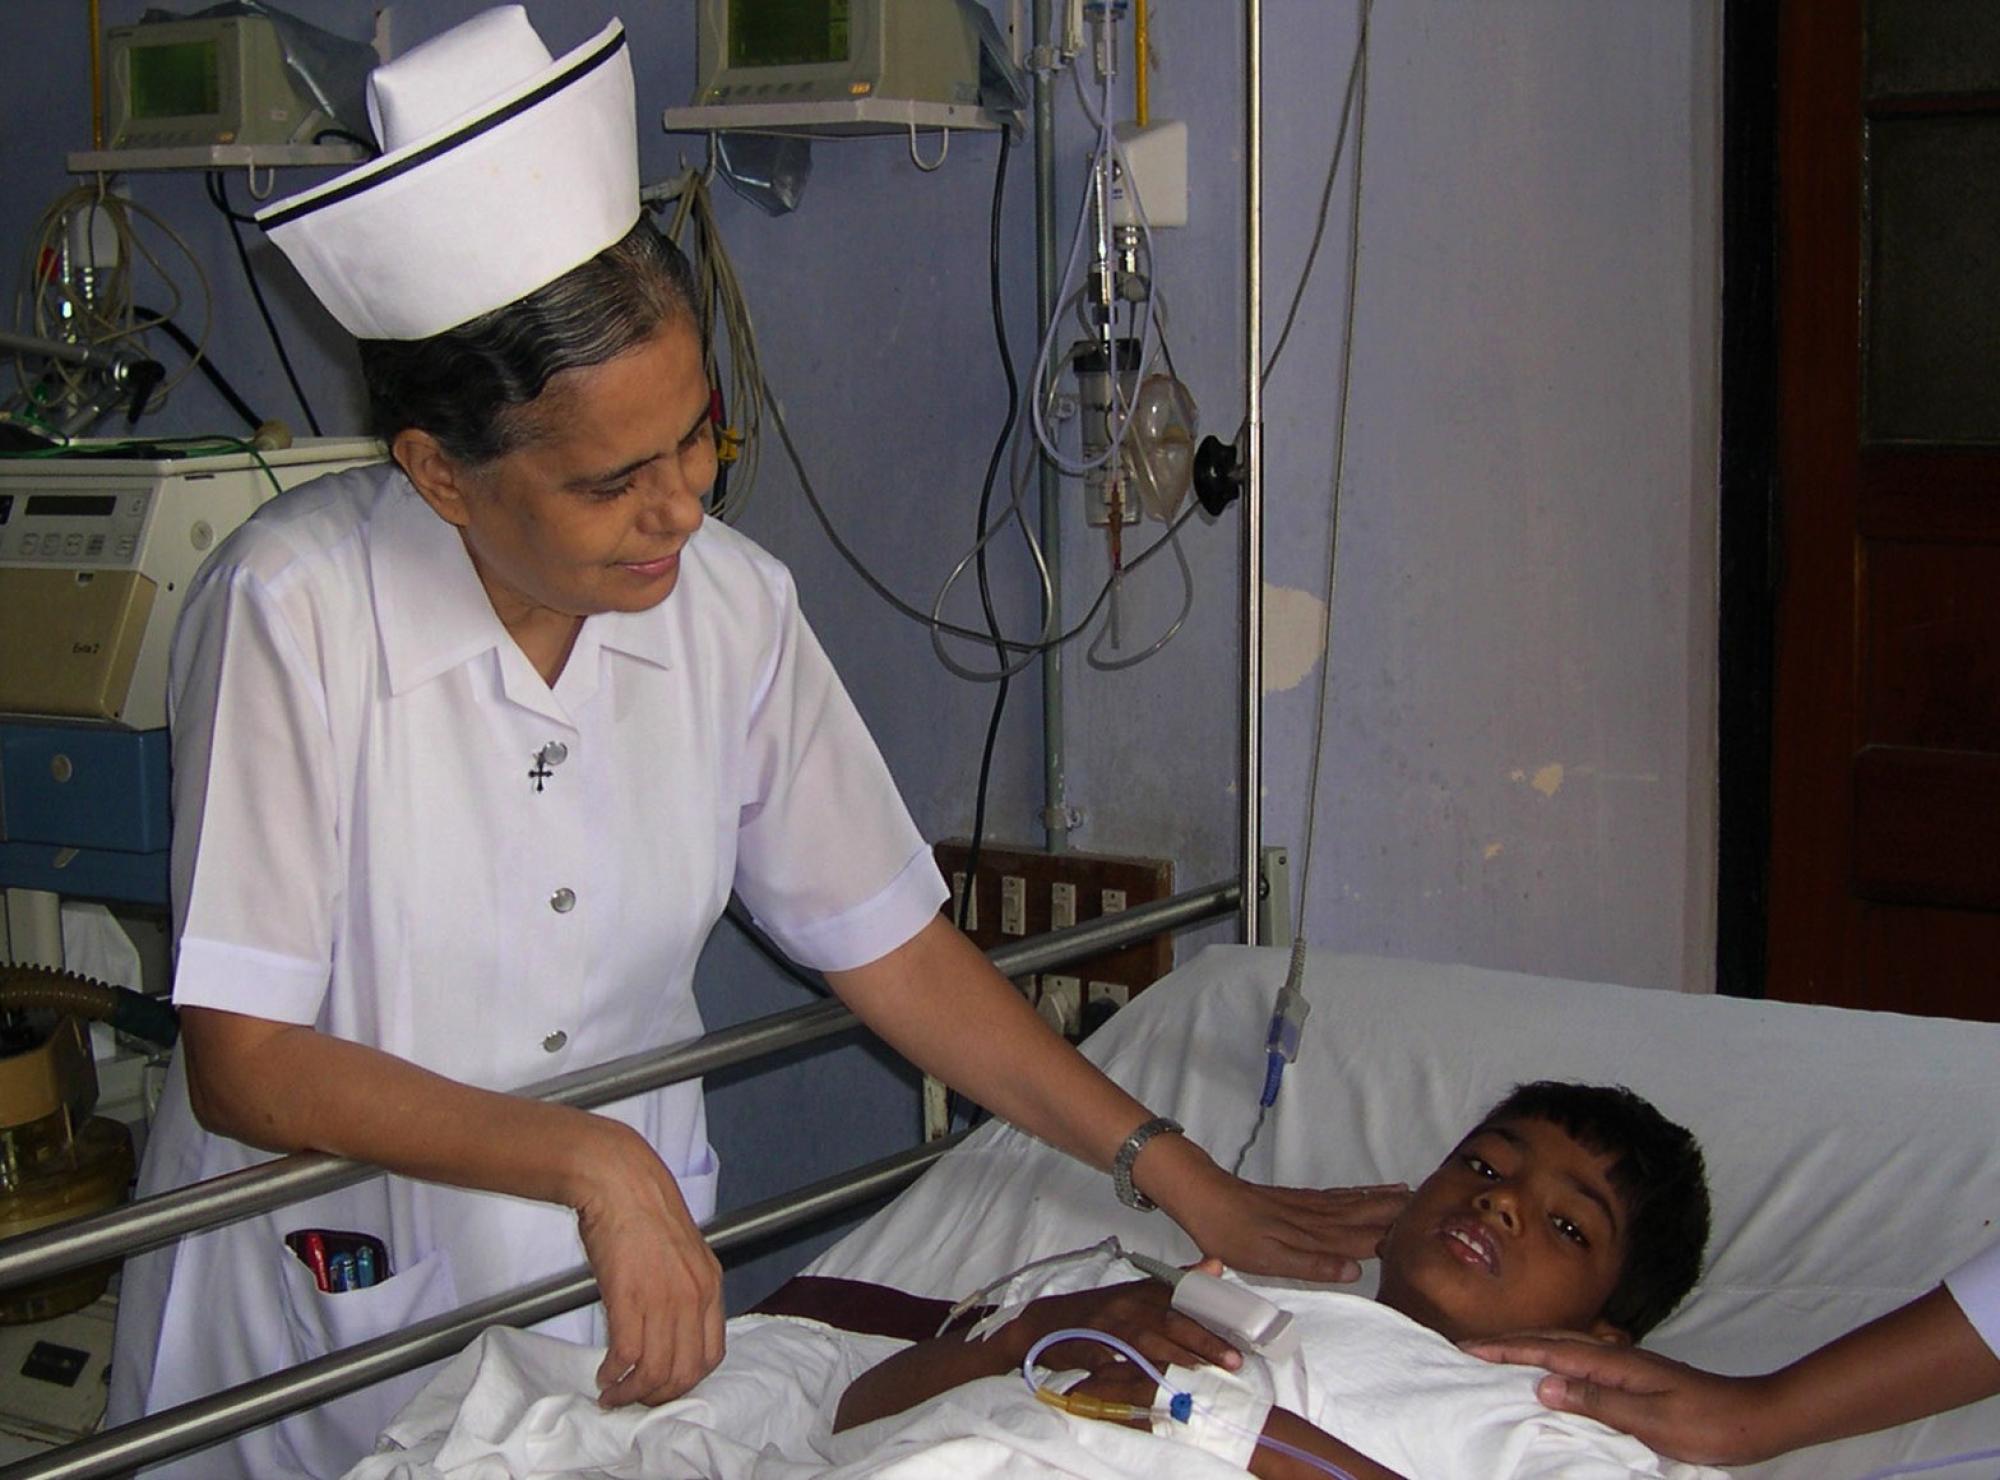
1251, 779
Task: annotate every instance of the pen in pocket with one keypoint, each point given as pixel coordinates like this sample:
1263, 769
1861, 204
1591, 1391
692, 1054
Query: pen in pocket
340, 1261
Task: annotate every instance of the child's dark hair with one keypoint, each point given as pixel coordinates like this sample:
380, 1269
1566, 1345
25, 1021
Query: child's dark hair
1657, 1170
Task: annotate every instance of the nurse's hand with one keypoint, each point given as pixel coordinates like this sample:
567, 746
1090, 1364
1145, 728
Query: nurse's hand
1306, 1233
1677, 1410
660, 1283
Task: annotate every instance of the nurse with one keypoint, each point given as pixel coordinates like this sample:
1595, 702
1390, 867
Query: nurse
470, 749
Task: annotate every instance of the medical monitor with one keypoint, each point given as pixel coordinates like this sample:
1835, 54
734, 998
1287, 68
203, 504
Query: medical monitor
816, 51
217, 80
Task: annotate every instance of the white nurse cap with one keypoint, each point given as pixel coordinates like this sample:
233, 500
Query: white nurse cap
501, 170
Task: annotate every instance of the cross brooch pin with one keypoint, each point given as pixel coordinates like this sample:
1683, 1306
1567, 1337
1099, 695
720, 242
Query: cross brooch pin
550, 755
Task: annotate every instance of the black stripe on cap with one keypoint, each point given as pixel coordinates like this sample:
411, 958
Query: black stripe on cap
584, 67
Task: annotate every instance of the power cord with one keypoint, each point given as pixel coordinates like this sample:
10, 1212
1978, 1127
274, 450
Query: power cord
735, 913
202, 362
218, 195
725, 313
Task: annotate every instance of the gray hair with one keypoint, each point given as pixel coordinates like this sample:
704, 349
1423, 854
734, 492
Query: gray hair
473, 387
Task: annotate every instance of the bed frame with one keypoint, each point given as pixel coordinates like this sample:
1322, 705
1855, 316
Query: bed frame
159, 1220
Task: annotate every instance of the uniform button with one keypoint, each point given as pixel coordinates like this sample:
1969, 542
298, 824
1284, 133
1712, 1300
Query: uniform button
554, 753
554, 1041
563, 901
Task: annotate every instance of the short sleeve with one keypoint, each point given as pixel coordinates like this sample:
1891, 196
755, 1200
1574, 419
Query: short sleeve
1975, 1285
255, 848
827, 857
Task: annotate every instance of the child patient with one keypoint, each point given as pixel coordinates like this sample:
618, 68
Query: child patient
1568, 1207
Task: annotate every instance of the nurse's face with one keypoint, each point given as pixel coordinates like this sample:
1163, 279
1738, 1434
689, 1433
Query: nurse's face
592, 515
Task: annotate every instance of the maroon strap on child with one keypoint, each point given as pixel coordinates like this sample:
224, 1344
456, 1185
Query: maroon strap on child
869, 1310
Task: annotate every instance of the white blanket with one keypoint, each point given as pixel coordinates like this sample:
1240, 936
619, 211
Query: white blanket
519, 1406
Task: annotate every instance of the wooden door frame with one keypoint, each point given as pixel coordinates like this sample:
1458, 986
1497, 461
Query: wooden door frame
1747, 535
1813, 719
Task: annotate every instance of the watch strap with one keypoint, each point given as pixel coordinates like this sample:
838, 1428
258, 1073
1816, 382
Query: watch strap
1121, 1164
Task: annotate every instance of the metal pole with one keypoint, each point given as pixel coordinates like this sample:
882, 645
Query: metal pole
159, 1220
1251, 781
109, 361
1055, 800
190, 1426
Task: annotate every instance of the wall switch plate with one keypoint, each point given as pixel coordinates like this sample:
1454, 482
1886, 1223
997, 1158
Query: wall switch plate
1116, 993
1274, 897
1013, 905
1062, 905
937, 1109
1058, 890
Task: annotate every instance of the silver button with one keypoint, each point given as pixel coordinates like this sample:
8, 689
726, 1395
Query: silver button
554, 753
563, 901
554, 1041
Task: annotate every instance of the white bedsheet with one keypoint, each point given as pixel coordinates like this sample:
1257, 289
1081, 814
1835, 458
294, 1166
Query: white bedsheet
1851, 1158
518, 1405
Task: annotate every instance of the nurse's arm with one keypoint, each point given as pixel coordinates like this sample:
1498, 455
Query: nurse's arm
939, 1002
1921, 1359
286, 1087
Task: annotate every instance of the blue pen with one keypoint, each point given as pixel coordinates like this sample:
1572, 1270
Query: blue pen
364, 1267
340, 1272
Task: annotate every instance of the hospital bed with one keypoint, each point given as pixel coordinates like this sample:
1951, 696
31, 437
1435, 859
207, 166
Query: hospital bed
1851, 1159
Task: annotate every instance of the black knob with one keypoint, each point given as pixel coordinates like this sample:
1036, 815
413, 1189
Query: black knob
1218, 474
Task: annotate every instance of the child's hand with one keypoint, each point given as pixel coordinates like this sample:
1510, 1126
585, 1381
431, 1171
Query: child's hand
1140, 1313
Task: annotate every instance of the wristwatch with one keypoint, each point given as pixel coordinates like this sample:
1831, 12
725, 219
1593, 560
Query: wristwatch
1121, 1164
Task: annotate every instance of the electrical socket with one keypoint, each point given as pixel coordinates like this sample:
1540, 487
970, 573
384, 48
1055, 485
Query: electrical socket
1013, 905
1113, 901
1062, 1003
969, 921
1116, 993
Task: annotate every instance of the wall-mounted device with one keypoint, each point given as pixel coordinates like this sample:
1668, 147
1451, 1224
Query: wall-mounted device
95, 559
848, 66
217, 80
823, 50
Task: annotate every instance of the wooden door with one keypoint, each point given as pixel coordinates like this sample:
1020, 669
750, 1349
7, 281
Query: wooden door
1885, 789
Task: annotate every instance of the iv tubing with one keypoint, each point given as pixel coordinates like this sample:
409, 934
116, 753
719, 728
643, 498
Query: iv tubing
1181, 1405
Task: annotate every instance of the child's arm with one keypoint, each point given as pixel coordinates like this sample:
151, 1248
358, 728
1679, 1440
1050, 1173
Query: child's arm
1922, 1359
1138, 1312
1288, 1428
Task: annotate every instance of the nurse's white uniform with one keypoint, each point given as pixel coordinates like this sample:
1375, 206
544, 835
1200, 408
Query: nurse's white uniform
1975, 1285
388, 826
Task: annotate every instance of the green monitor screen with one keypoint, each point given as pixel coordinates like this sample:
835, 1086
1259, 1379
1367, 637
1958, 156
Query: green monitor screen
176, 80
787, 33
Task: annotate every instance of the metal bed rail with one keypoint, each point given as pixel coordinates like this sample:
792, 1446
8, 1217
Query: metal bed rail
159, 1220
153, 1221
176, 1431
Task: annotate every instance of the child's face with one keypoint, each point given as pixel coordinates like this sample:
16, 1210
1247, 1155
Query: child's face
1520, 1229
